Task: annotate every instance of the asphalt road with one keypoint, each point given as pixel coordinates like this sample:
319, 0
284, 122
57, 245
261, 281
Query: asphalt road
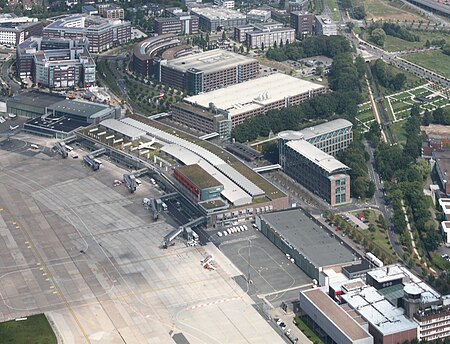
5, 75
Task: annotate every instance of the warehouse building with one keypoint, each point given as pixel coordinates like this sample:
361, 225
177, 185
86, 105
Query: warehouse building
56, 62
102, 33
31, 104
221, 110
14, 30
319, 172
144, 53
301, 236
215, 18
200, 183
207, 71
326, 317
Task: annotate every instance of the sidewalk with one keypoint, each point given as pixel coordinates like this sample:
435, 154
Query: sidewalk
288, 319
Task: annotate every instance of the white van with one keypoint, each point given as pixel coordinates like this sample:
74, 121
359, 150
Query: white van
34, 146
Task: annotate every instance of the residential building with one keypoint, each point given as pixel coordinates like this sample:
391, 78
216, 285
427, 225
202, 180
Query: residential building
102, 33
111, 11
319, 172
324, 26
331, 320
240, 32
214, 18
299, 235
200, 184
330, 137
14, 30
223, 109
207, 71
258, 16
183, 24
224, 3
269, 37
56, 62
302, 22
145, 52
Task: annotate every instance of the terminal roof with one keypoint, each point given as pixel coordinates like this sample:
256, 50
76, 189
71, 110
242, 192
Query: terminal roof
81, 108
198, 176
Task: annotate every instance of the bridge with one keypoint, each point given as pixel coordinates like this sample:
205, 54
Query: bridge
267, 168
209, 136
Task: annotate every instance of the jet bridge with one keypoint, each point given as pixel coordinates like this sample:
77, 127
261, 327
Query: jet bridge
61, 149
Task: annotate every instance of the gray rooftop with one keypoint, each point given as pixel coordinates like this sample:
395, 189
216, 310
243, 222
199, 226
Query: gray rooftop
210, 61
307, 236
81, 108
37, 99
122, 128
325, 128
217, 13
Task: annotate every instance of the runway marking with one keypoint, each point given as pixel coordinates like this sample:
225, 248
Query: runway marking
201, 305
52, 287
41, 269
38, 263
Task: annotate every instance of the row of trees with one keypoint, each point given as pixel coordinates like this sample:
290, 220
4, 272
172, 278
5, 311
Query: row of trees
386, 76
344, 79
357, 12
378, 31
438, 116
329, 46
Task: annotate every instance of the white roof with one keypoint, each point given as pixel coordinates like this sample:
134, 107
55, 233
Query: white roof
217, 13
445, 205
324, 128
254, 94
373, 307
126, 130
318, 157
232, 192
213, 159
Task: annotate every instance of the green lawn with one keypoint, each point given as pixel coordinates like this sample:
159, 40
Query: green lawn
397, 44
399, 132
332, 5
436, 61
34, 330
312, 336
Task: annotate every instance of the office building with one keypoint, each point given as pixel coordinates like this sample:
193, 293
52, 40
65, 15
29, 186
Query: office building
102, 33
330, 137
302, 22
200, 184
269, 37
223, 109
301, 236
145, 52
258, 16
299, 5
218, 18
89, 9
14, 30
56, 62
208, 70
332, 321
319, 172
224, 3
179, 25
111, 11
442, 167
324, 26
240, 32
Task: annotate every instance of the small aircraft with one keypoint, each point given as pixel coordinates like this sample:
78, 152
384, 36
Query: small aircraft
13, 127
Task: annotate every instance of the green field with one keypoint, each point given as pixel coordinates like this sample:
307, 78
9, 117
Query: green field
34, 330
334, 9
388, 10
399, 132
436, 61
397, 44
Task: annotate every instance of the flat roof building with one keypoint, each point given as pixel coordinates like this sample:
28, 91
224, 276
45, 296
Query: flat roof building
14, 30
223, 109
336, 324
212, 18
111, 11
301, 236
32, 103
240, 32
302, 23
269, 37
102, 33
258, 16
180, 25
324, 26
208, 70
442, 167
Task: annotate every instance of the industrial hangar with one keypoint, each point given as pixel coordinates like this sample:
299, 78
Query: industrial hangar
139, 142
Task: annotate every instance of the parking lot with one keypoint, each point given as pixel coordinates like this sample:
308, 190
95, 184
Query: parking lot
273, 277
88, 254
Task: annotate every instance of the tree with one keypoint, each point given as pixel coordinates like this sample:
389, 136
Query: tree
262, 46
224, 35
378, 36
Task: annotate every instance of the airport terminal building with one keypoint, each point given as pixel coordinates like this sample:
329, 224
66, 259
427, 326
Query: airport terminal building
221, 110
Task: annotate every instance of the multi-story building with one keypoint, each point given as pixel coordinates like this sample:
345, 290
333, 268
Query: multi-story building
319, 172
102, 33
324, 26
144, 52
14, 30
207, 71
258, 16
184, 24
240, 32
442, 167
268, 37
224, 3
213, 18
330, 137
298, 5
223, 109
56, 62
302, 22
111, 11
